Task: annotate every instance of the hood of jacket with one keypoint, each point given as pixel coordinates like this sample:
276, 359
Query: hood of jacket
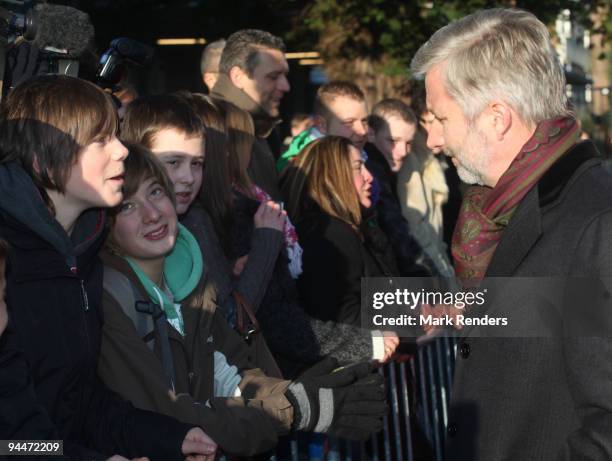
27, 222
264, 123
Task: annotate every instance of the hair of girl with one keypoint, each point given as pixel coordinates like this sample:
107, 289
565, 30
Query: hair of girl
322, 173
240, 137
216, 192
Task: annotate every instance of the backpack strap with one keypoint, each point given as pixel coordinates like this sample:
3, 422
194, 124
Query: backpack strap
146, 315
120, 288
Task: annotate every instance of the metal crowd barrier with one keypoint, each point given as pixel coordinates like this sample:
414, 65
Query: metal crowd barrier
418, 396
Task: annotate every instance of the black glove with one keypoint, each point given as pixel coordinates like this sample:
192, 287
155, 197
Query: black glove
347, 403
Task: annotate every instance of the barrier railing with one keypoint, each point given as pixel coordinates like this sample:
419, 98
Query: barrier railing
418, 393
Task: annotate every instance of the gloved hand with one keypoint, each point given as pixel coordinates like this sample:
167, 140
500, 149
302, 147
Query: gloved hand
348, 402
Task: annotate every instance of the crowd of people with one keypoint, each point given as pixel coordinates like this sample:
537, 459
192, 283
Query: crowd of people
176, 289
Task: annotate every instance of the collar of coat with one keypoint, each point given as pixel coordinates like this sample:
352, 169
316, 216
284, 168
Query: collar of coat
525, 227
264, 123
558, 176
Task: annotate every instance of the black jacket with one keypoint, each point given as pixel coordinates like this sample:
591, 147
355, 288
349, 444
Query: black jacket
296, 339
334, 261
262, 167
550, 398
54, 294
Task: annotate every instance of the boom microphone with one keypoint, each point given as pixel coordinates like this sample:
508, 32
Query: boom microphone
62, 29
56, 36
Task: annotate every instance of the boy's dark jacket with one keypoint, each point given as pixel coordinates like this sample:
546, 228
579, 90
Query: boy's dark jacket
49, 387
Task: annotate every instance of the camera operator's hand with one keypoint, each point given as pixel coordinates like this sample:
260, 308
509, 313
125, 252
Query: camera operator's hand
348, 402
270, 215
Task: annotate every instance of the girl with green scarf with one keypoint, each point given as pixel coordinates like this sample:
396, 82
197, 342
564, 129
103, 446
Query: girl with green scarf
155, 261
189, 363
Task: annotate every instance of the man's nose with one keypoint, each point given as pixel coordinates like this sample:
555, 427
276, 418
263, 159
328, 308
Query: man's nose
360, 128
435, 138
283, 84
401, 150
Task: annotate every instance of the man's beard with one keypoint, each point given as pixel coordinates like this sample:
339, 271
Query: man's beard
468, 176
473, 158
272, 108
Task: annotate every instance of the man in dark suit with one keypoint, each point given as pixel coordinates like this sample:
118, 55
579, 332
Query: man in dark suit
540, 205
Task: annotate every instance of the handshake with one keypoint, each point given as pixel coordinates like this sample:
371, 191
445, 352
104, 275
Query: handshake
347, 402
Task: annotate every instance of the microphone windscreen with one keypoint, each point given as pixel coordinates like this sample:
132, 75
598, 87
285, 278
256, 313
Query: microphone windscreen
63, 28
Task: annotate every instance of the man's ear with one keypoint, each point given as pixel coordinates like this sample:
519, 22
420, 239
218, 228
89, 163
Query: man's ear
320, 123
501, 115
237, 77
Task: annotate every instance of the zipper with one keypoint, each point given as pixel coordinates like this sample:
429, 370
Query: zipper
84, 298
85, 305
190, 381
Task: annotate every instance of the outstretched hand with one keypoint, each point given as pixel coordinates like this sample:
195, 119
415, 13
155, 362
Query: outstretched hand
198, 446
347, 402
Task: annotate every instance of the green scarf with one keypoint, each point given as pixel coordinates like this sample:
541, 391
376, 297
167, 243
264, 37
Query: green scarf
183, 269
485, 212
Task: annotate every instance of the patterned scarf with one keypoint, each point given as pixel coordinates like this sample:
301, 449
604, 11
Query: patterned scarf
294, 250
486, 212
